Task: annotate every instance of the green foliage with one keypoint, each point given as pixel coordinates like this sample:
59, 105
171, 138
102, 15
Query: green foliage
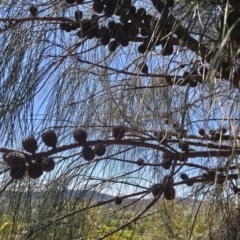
167, 220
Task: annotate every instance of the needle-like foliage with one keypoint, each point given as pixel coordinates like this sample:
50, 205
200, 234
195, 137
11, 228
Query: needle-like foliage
100, 85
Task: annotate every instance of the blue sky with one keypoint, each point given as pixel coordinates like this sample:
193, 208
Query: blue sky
72, 81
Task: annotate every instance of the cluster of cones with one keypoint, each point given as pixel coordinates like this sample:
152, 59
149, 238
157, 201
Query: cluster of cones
21, 163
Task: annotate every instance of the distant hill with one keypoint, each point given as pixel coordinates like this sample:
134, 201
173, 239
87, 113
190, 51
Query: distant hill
89, 195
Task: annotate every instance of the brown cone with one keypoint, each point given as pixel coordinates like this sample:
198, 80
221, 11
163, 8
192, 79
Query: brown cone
30, 144
80, 135
14, 159
47, 164
87, 153
18, 173
118, 132
34, 170
169, 193
49, 137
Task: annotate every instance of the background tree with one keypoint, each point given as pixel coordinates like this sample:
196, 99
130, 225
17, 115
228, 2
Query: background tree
143, 99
